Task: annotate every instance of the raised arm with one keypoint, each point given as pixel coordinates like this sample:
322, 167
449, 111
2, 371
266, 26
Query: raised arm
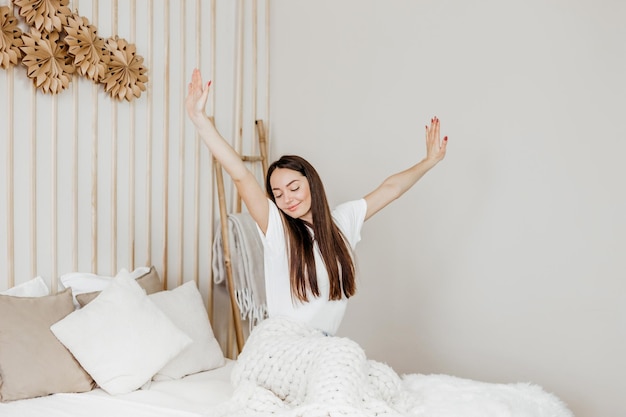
397, 184
247, 185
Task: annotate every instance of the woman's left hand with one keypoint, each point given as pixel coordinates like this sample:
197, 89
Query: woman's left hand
435, 147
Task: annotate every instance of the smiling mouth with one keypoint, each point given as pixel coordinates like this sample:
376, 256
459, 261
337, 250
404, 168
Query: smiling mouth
293, 208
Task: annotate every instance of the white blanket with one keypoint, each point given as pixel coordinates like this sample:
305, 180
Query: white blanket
288, 369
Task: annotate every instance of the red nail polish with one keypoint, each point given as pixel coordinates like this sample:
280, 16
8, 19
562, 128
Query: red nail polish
445, 138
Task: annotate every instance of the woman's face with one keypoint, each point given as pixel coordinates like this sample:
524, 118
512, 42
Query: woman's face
292, 194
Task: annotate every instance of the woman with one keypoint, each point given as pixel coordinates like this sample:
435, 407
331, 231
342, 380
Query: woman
309, 268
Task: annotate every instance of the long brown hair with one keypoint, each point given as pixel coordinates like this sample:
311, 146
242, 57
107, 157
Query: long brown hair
333, 247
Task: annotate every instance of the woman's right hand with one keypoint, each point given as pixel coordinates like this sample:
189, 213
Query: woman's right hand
197, 95
247, 185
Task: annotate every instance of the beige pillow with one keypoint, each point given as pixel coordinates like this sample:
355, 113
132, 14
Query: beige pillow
150, 282
33, 362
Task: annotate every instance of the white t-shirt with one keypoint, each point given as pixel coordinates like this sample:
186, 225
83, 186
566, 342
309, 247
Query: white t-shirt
319, 312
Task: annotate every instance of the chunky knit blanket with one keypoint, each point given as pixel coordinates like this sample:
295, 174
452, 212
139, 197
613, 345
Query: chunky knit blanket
288, 369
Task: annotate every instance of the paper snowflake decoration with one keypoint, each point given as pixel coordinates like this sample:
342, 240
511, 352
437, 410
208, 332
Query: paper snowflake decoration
125, 76
86, 48
47, 61
60, 43
10, 39
44, 15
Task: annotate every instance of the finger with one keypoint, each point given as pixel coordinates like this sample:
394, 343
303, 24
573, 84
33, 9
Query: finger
431, 130
196, 79
194, 76
444, 145
436, 129
205, 92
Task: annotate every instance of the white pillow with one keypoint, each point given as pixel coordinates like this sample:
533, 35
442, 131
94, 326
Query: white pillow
82, 282
35, 287
121, 338
184, 306
85, 282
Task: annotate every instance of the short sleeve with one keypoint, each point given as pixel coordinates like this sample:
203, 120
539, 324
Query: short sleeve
349, 217
273, 239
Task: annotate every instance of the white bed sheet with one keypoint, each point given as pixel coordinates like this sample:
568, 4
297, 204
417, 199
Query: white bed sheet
192, 396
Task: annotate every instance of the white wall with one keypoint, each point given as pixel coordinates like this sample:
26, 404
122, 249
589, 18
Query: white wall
505, 263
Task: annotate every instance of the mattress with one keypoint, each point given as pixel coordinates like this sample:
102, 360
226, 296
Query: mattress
190, 396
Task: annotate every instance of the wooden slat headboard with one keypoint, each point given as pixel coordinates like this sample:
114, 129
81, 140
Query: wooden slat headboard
94, 184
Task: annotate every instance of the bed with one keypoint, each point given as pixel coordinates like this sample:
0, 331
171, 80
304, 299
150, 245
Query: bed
190, 396
109, 346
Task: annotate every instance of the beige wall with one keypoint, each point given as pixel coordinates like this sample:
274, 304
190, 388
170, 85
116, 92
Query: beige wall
506, 263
